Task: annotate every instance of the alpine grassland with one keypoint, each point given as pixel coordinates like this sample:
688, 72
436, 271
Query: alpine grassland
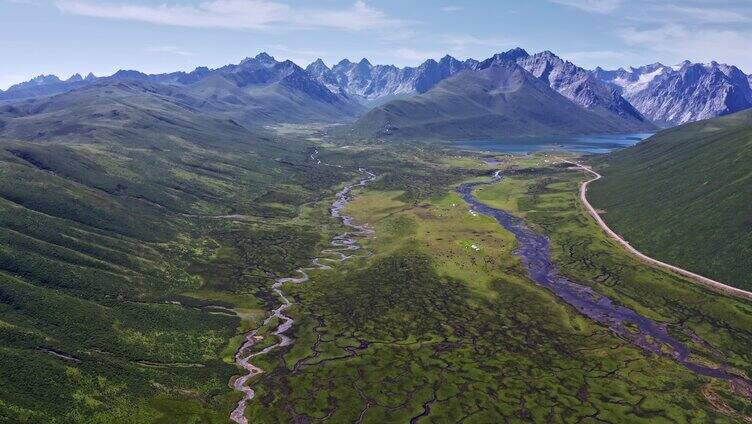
438, 320
684, 195
139, 249
133, 258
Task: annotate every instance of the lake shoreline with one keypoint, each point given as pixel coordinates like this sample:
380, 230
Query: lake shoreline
593, 143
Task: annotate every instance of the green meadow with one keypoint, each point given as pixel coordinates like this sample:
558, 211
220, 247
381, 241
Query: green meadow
131, 269
438, 321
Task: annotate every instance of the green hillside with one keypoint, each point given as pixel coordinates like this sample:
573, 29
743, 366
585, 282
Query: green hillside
500, 101
139, 238
110, 278
685, 196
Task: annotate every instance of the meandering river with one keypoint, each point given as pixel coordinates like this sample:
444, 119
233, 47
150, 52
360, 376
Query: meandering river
341, 244
535, 251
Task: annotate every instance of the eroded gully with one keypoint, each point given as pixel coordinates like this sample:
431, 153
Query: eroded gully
535, 251
340, 245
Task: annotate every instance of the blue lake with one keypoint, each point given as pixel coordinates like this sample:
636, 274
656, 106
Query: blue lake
577, 143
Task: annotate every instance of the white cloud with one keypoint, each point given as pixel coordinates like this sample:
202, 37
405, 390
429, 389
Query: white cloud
451, 8
592, 55
699, 44
259, 15
28, 2
415, 55
591, 6
706, 14
301, 57
465, 41
169, 50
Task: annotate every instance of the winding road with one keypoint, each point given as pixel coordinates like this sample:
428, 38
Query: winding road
705, 281
340, 243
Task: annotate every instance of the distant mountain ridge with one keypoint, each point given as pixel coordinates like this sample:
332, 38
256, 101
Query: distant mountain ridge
499, 98
581, 87
257, 91
687, 92
268, 90
368, 82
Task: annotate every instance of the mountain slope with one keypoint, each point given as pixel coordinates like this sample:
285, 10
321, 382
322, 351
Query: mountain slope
684, 195
502, 100
584, 89
261, 90
689, 92
110, 278
258, 91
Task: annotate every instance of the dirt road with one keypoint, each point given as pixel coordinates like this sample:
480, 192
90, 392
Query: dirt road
707, 282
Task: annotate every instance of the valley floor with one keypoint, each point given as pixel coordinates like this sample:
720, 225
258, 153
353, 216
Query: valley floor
441, 322
435, 319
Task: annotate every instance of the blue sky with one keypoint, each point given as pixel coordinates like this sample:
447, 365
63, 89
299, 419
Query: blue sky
68, 36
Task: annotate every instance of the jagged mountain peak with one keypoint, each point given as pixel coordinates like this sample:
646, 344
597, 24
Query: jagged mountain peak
364, 63
288, 64
262, 58
265, 57
582, 88
683, 93
646, 68
319, 63
516, 53
509, 55
44, 79
129, 74
75, 78
371, 82
547, 53
429, 62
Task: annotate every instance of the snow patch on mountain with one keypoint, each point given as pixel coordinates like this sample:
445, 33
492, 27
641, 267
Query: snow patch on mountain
673, 95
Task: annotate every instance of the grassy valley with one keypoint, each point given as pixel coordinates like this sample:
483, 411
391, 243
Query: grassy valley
152, 229
138, 237
442, 322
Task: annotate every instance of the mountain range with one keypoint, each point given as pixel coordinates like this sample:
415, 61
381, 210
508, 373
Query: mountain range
530, 96
376, 84
500, 98
684, 93
257, 91
261, 90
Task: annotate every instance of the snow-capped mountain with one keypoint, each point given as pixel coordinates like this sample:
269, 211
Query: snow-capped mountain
662, 94
373, 82
498, 98
321, 73
683, 93
380, 83
579, 86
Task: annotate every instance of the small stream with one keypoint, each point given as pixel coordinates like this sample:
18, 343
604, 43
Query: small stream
340, 244
535, 251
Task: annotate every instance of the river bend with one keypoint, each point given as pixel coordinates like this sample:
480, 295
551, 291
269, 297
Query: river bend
535, 251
